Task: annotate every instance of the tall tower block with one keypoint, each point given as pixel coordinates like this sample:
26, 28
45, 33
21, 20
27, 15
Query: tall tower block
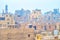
6, 8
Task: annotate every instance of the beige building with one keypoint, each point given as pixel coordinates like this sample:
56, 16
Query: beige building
6, 19
35, 14
21, 33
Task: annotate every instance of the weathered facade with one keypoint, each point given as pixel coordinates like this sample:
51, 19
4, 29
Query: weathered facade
21, 33
6, 19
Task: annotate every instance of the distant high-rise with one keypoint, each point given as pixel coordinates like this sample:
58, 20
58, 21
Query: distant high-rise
20, 12
56, 11
6, 8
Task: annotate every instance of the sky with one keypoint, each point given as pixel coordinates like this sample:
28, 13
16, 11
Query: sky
43, 5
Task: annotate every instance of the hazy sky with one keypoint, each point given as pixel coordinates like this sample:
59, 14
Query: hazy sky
44, 5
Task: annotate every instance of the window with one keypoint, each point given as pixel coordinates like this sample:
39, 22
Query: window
49, 18
34, 11
54, 18
49, 27
35, 27
18, 15
8, 19
16, 23
6, 15
45, 28
9, 26
30, 26
2, 18
7, 22
10, 15
55, 26
28, 35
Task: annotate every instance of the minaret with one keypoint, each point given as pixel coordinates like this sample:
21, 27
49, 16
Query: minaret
6, 8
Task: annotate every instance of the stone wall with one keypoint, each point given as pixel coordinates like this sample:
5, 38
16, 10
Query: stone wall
17, 34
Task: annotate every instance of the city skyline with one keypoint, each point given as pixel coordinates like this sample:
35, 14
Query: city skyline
44, 5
